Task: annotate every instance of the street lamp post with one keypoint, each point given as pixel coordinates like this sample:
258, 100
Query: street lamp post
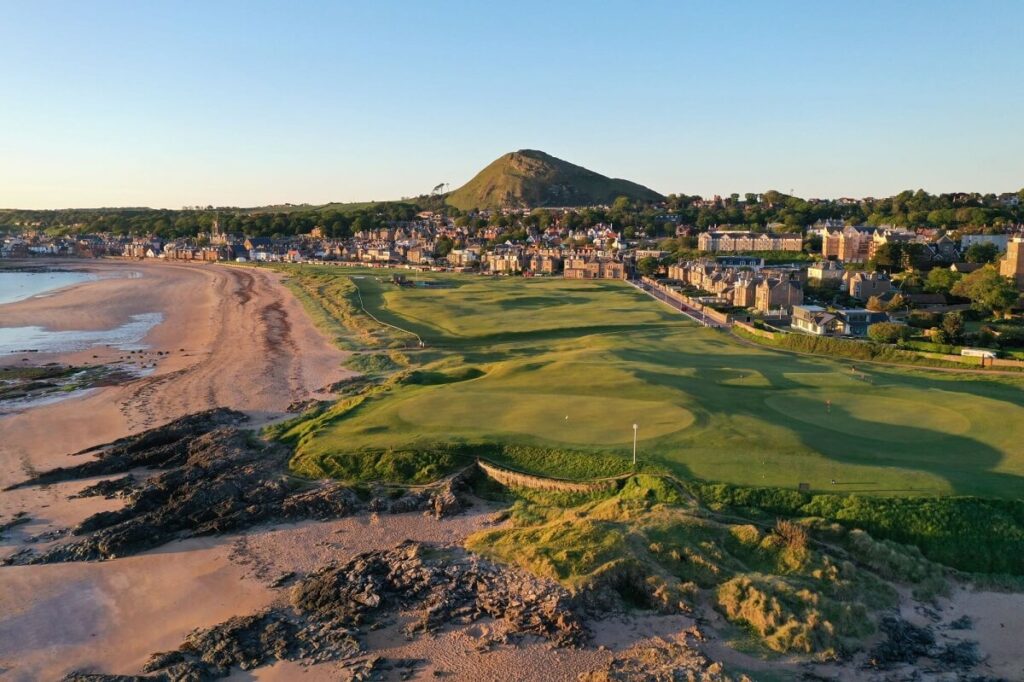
635, 427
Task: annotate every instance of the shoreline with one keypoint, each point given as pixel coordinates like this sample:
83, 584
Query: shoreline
229, 337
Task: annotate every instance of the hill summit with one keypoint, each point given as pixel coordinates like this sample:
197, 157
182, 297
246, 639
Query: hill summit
529, 178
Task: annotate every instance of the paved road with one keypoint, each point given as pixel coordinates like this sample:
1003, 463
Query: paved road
692, 313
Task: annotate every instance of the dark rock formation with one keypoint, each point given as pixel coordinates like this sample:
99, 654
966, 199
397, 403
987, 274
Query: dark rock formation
109, 488
213, 478
329, 609
661, 660
905, 643
443, 589
163, 447
16, 520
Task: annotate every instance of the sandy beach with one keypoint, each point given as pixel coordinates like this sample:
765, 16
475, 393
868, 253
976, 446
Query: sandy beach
230, 337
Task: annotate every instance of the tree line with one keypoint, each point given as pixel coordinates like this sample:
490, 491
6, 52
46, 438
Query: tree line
971, 212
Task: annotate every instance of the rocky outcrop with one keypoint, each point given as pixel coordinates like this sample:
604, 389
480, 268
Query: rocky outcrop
329, 609
905, 643
661, 660
213, 478
163, 447
110, 488
449, 589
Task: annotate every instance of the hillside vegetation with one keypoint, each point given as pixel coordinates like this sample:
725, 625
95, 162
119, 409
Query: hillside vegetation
529, 178
798, 587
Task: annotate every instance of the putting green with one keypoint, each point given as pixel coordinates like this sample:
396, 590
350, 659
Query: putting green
566, 418
869, 416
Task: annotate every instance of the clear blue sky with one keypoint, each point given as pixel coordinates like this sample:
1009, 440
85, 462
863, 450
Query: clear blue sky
250, 103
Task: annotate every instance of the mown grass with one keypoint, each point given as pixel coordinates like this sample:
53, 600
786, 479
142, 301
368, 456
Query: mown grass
570, 366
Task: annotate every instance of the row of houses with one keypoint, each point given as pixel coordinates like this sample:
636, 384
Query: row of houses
735, 241
742, 286
861, 243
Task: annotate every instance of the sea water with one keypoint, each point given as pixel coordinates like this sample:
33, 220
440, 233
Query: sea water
18, 285
126, 337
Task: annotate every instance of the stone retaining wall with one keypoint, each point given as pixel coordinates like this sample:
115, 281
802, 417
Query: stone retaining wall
751, 329
514, 479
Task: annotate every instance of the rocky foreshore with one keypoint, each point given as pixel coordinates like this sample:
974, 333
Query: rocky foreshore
211, 477
329, 612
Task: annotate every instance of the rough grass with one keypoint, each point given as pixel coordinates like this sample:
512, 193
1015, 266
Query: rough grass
788, 618
376, 364
647, 546
570, 366
855, 350
967, 533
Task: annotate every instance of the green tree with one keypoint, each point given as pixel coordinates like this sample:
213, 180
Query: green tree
941, 280
889, 257
953, 325
888, 332
981, 253
648, 266
443, 246
621, 204
988, 291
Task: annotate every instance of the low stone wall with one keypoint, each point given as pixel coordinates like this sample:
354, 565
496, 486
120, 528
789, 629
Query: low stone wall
515, 479
751, 329
717, 316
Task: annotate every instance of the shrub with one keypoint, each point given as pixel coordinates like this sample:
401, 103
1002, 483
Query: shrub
888, 332
924, 320
967, 533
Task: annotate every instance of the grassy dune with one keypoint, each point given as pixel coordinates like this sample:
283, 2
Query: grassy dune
804, 588
569, 366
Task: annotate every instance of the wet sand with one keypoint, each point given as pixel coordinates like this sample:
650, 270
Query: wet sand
233, 337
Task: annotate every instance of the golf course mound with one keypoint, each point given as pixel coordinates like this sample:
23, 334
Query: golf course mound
561, 418
871, 416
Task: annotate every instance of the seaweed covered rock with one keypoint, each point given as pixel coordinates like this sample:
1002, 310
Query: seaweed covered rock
328, 608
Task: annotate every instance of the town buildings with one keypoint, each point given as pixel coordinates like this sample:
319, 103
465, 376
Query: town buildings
863, 285
827, 273
777, 294
738, 241
819, 321
1012, 264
